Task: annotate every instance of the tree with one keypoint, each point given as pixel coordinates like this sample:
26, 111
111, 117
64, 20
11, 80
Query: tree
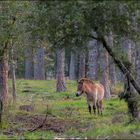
73, 65
104, 60
138, 65
4, 76
13, 65
81, 68
5, 27
60, 77
92, 59
39, 73
10, 18
28, 57
112, 71
28, 63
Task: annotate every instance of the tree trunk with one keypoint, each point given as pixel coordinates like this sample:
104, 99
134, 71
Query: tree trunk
60, 76
92, 59
105, 72
13, 74
112, 71
39, 73
81, 71
4, 78
73, 66
28, 63
138, 65
129, 51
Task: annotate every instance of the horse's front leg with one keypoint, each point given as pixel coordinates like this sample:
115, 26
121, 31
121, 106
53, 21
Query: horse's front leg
94, 109
89, 108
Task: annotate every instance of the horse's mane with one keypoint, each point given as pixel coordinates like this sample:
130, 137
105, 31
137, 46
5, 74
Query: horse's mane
85, 80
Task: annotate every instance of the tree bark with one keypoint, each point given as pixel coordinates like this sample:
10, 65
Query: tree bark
73, 66
60, 76
92, 59
105, 72
4, 77
81, 71
130, 54
39, 73
28, 63
112, 70
13, 74
138, 65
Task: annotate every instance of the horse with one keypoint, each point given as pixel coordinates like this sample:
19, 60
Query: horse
94, 94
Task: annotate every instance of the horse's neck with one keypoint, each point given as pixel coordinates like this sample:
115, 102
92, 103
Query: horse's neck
88, 87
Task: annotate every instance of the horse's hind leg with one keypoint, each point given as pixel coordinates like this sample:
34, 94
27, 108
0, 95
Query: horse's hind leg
101, 107
98, 107
94, 108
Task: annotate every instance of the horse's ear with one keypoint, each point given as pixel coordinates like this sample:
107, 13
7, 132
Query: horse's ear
82, 81
78, 81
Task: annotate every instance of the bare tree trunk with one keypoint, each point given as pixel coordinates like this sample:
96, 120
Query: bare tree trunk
28, 63
112, 71
92, 59
4, 77
129, 50
105, 72
73, 66
138, 65
39, 73
81, 71
60, 76
13, 74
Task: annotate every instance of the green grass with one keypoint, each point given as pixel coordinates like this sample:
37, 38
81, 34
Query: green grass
66, 113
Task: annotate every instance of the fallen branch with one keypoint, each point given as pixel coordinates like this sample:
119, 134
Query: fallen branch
42, 124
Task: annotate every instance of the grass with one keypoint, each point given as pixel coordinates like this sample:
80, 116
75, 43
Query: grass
68, 116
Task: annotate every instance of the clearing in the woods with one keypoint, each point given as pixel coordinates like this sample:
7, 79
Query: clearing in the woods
41, 113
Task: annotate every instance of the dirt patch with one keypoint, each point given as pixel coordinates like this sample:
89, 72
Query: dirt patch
118, 119
29, 122
28, 108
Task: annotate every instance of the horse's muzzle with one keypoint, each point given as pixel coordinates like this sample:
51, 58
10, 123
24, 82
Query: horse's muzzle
77, 95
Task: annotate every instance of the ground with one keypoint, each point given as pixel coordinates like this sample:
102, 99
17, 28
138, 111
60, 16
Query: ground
41, 113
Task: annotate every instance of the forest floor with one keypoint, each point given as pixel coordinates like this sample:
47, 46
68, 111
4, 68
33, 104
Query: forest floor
41, 113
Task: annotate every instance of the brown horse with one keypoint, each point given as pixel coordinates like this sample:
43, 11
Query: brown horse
94, 94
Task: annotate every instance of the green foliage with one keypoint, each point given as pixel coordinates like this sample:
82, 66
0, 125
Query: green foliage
66, 23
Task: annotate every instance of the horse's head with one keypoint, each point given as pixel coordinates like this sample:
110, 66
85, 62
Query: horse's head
80, 88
